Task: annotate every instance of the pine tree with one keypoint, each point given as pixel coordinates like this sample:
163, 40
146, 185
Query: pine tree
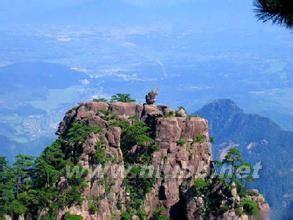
122, 98
278, 11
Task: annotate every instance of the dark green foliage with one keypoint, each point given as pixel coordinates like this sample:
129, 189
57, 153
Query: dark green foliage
181, 141
136, 133
215, 201
17, 208
212, 198
122, 98
278, 11
101, 156
249, 206
138, 186
200, 138
30, 185
6, 187
73, 196
16, 185
68, 216
126, 216
74, 137
78, 132
241, 171
100, 100
50, 164
94, 206
158, 214
239, 211
234, 159
201, 186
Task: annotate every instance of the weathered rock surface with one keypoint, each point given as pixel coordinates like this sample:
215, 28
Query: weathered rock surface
180, 158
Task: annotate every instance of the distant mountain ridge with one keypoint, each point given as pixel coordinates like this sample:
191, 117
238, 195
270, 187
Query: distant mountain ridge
38, 75
259, 139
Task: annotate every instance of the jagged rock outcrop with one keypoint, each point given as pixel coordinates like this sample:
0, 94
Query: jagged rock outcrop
150, 98
182, 154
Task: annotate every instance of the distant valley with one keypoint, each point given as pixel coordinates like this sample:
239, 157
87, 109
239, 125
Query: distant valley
29, 106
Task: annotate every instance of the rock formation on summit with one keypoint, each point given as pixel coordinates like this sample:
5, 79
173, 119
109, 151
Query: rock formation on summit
150, 98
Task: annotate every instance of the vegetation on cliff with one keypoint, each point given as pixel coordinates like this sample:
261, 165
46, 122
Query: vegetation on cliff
98, 134
233, 185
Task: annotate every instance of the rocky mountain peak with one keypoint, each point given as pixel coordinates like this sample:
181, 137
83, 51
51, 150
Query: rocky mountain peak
223, 107
131, 137
122, 160
173, 134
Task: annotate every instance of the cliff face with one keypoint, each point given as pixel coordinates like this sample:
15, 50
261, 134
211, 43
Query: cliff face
172, 148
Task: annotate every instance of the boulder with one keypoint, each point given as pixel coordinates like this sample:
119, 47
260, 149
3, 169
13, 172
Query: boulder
128, 109
113, 136
167, 130
195, 126
97, 106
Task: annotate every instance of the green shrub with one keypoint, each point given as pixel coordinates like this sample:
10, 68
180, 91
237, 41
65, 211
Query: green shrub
93, 206
138, 186
126, 216
101, 156
17, 207
78, 132
249, 206
200, 138
68, 216
158, 214
136, 133
100, 100
181, 141
120, 97
113, 122
239, 211
201, 186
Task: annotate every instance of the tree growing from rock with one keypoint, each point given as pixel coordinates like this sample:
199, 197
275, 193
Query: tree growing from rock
240, 170
121, 97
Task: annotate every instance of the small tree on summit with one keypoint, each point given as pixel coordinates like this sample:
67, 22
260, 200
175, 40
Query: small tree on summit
121, 97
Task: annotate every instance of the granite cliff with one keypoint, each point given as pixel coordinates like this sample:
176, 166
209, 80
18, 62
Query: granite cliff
176, 147
123, 160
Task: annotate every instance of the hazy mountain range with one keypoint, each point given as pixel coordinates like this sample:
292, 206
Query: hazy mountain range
260, 140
